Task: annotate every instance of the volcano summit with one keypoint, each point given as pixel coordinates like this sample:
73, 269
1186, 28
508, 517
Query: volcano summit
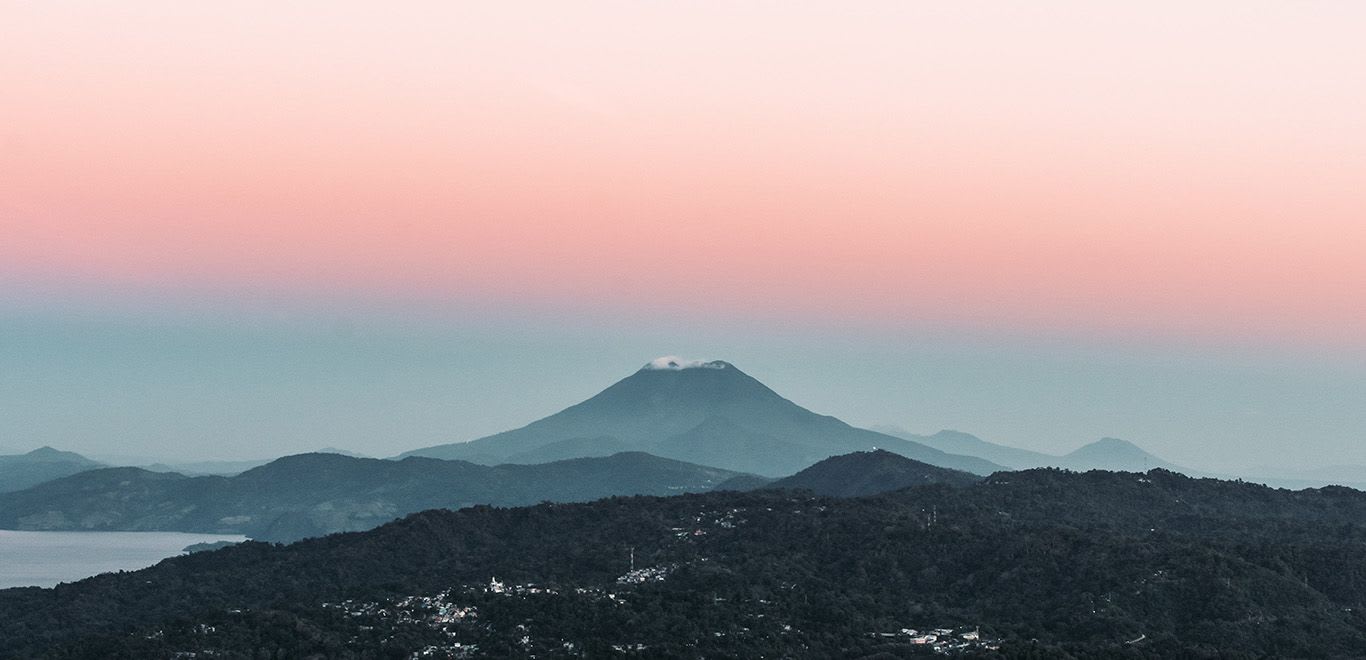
710, 413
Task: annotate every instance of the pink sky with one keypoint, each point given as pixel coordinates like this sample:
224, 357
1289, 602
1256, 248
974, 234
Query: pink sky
1160, 169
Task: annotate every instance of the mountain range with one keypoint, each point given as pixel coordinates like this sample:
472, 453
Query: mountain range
314, 494
709, 413
731, 431
1105, 454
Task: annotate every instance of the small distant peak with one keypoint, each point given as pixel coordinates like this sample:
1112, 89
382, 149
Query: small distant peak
951, 434
675, 363
50, 454
889, 429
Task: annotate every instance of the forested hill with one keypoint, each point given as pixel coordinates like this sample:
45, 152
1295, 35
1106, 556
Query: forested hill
869, 473
1037, 563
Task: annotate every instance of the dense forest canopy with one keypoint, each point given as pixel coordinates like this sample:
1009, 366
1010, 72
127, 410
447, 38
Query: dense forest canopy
1037, 562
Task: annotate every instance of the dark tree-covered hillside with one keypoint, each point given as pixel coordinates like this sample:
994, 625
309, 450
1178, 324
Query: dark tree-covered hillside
1041, 563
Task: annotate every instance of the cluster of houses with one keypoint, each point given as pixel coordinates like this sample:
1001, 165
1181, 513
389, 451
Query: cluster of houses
439, 612
445, 612
452, 650
945, 640
729, 519
496, 586
648, 574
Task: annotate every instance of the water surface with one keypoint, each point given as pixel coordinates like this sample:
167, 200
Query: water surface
43, 559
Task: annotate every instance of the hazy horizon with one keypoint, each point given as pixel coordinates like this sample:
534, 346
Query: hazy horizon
239, 231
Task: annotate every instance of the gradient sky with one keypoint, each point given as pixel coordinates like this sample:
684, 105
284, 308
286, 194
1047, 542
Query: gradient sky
239, 229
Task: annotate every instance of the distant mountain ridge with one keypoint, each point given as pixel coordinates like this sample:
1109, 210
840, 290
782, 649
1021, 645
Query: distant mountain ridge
315, 494
1115, 455
967, 444
710, 413
1110, 454
1352, 476
223, 467
21, 471
206, 468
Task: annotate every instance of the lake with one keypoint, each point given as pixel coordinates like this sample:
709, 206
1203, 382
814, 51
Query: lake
43, 559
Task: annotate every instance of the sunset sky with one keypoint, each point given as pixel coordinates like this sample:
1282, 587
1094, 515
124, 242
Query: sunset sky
239, 229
